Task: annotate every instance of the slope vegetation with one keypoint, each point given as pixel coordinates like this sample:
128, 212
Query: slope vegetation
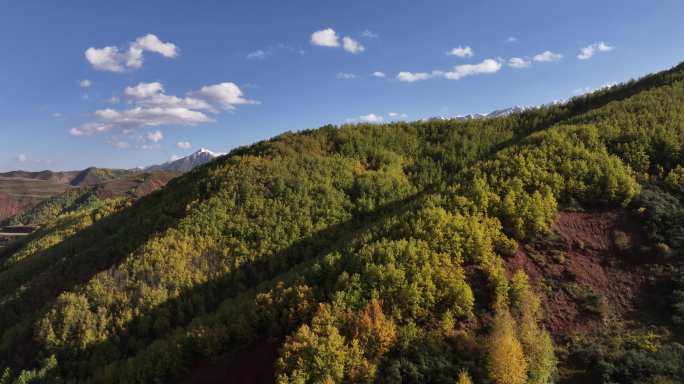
377, 253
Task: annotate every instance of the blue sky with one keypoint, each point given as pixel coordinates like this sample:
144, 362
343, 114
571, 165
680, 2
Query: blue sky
126, 84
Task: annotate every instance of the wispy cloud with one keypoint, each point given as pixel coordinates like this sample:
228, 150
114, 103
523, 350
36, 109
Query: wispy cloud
184, 145
346, 76
27, 161
411, 77
111, 59
461, 52
589, 51
258, 54
547, 57
272, 50
519, 62
379, 74
512, 39
369, 34
155, 136
352, 46
85, 83
487, 66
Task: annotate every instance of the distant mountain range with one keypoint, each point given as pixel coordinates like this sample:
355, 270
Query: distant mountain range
187, 163
498, 113
22, 190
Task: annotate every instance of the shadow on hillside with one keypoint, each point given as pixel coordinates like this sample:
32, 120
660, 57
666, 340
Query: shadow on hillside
206, 298
31, 285
583, 104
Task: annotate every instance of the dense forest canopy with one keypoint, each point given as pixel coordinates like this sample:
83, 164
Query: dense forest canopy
369, 252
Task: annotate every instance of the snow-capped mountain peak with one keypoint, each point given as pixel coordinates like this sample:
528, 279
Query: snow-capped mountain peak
187, 163
497, 113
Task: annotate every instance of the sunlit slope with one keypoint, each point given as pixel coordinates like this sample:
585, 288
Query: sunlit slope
369, 252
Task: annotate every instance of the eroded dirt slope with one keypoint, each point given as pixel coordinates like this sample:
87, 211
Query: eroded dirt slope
591, 269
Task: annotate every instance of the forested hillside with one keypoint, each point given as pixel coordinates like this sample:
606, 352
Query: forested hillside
425, 252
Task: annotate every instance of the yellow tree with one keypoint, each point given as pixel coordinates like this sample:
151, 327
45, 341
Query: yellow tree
507, 364
464, 378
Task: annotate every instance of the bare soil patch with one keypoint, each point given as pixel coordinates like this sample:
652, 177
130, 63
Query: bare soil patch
589, 270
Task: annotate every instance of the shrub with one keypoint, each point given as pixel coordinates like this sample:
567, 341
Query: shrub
622, 241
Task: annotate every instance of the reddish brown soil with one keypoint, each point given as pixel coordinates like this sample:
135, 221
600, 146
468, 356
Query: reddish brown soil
28, 192
582, 252
135, 186
253, 365
10, 206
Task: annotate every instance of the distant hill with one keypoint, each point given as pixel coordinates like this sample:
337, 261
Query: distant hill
186, 164
22, 190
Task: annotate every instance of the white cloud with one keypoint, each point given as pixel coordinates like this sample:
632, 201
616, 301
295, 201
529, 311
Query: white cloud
152, 94
138, 117
328, 38
113, 100
22, 158
518, 62
369, 34
410, 77
352, 46
589, 51
85, 83
152, 43
112, 59
547, 56
462, 52
184, 145
106, 59
151, 107
487, 66
512, 39
371, 118
346, 76
258, 54
379, 74
144, 90
325, 38
155, 136
56, 115
227, 95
